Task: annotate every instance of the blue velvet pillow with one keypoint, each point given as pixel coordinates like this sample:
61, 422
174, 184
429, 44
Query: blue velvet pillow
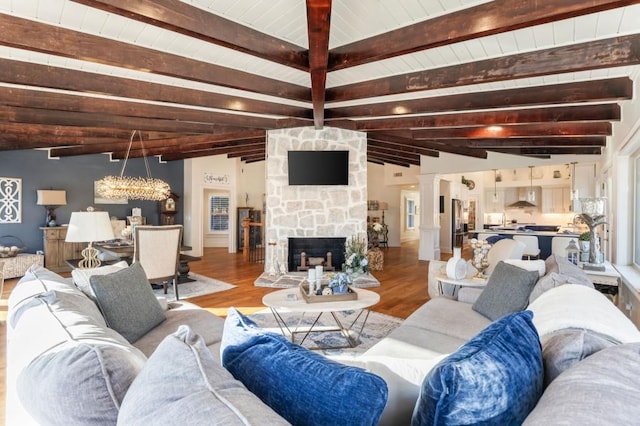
302, 386
495, 378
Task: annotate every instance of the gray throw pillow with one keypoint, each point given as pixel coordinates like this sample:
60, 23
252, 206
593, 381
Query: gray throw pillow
127, 302
568, 347
507, 291
182, 384
601, 390
553, 280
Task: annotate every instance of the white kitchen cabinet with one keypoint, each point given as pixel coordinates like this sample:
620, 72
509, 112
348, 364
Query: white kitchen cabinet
491, 206
556, 200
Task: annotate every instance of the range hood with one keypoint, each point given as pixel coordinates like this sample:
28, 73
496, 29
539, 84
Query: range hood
522, 202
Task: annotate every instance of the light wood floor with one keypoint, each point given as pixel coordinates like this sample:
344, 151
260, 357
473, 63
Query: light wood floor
403, 289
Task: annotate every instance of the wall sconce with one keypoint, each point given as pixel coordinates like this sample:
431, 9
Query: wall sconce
51, 199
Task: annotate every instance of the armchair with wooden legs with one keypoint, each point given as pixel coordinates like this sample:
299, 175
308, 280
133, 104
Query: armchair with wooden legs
157, 248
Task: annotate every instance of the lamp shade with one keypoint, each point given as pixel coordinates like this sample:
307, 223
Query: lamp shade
52, 197
384, 205
86, 227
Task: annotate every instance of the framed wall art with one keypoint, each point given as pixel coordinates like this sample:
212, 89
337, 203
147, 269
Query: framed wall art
10, 200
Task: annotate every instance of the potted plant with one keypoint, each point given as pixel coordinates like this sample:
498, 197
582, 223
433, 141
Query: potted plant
585, 244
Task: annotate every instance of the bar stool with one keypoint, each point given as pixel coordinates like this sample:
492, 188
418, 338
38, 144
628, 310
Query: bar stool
532, 249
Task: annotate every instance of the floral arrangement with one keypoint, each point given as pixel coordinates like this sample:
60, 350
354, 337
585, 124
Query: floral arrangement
376, 227
340, 282
355, 255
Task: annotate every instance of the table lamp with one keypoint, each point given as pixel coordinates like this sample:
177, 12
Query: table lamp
87, 227
50, 199
383, 206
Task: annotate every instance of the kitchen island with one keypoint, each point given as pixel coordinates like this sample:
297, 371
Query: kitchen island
544, 237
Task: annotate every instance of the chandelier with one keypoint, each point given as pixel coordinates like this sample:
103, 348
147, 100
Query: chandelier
133, 188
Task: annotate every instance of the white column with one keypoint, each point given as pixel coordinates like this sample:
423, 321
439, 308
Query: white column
429, 217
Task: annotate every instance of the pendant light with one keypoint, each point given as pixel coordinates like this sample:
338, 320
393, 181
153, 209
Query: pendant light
531, 195
495, 192
574, 190
133, 188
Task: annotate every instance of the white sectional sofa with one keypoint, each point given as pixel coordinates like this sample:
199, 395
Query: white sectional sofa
56, 331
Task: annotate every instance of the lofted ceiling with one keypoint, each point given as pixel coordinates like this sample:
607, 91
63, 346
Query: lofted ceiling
209, 77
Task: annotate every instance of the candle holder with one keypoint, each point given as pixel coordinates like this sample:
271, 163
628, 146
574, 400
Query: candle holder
593, 216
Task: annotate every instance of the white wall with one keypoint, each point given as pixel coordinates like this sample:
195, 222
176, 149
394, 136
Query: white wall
201, 174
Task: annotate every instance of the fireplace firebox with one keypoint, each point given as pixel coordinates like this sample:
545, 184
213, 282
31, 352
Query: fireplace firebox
316, 247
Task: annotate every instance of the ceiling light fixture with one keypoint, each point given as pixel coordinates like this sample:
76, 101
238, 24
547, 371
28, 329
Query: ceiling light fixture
133, 188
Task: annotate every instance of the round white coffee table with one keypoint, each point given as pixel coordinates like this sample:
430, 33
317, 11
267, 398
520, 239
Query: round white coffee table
290, 300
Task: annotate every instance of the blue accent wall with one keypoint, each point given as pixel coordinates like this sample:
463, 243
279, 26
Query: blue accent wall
77, 175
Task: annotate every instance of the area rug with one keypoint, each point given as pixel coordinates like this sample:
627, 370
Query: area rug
293, 279
377, 327
201, 286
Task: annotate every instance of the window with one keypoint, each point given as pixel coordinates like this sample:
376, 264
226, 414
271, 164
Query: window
219, 211
636, 212
411, 214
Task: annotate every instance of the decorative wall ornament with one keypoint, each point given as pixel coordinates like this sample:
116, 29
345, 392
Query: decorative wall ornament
10, 200
217, 179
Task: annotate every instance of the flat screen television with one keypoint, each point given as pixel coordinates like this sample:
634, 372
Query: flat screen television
318, 167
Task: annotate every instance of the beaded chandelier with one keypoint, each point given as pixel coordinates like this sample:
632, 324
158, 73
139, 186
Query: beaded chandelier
133, 188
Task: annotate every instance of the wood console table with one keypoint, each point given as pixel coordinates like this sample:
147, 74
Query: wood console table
56, 250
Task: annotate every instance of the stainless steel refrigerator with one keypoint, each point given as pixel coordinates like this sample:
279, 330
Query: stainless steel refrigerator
457, 223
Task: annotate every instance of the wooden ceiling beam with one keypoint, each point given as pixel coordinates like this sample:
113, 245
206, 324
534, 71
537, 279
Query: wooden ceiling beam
392, 138
493, 17
32, 35
210, 149
394, 153
184, 142
382, 159
194, 22
248, 153
204, 153
64, 102
161, 149
34, 130
613, 89
586, 150
622, 51
318, 25
13, 114
47, 76
533, 142
517, 130
599, 112
401, 147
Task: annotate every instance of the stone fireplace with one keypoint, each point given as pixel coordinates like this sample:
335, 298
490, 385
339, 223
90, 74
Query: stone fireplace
316, 248
313, 211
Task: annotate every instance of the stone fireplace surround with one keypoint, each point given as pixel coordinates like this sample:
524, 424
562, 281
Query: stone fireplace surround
314, 211
316, 247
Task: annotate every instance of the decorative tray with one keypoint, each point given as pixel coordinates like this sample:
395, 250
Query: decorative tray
304, 289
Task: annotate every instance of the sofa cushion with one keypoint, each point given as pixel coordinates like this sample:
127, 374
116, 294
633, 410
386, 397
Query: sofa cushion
81, 277
68, 368
495, 378
302, 386
568, 347
127, 302
561, 265
37, 280
182, 382
507, 291
602, 389
553, 280
207, 325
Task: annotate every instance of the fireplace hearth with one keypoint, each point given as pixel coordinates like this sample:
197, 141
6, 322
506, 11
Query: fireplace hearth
315, 248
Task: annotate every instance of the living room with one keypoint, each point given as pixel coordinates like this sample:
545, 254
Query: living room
508, 87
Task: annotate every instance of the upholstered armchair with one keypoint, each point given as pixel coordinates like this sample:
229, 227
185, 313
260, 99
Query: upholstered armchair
157, 248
